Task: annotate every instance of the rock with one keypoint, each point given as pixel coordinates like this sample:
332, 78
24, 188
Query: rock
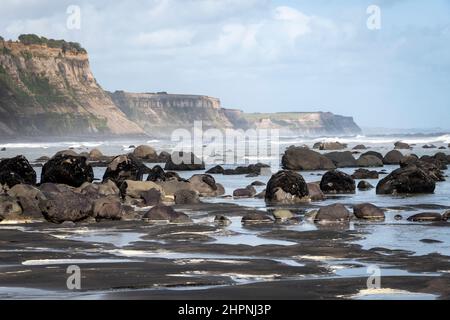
145, 153
429, 146
332, 213
360, 147
152, 197
107, 208
286, 187
96, 155
186, 197
163, 157
16, 170
430, 241
95, 191
69, 152
10, 209
296, 158
442, 148
170, 187
43, 159
393, 157
65, 169
55, 188
426, 217
184, 161
253, 170
373, 153
258, 184
283, 214
337, 182
430, 166
261, 195
408, 180
222, 220
329, 146
398, 217
206, 185
369, 161
256, 218
248, 192
342, 159
157, 174
446, 215
28, 197
124, 167
315, 193
3, 149
216, 170
134, 189
442, 157
402, 145
368, 211
365, 174
364, 186
163, 213
58, 207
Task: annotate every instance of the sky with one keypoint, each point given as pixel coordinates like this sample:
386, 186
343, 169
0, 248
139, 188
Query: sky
264, 55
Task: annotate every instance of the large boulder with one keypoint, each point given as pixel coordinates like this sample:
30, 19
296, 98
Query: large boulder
329, 146
107, 208
332, 213
170, 187
298, 158
157, 174
335, 181
124, 167
401, 145
28, 198
426, 217
315, 193
10, 209
65, 169
407, 180
393, 157
360, 174
184, 161
253, 169
166, 214
342, 159
364, 186
216, 170
247, 192
152, 197
96, 155
206, 185
360, 147
286, 187
134, 189
99, 190
16, 170
430, 166
373, 153
59, 207
145, 153
368, 211
369, 161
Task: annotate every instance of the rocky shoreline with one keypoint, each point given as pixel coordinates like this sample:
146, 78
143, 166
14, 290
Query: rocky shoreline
180, 227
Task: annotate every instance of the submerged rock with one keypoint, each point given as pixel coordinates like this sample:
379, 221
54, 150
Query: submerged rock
162, 213
297, 158
184, 161
407, 180
283, 214
222, 220
15, 171
332, 213
337, 182
66, 169
286, 187
368, 211
360, 147
256, 218
329, 146
216, 170
248, 192
360, 174
253, 170
426, 217
364, 186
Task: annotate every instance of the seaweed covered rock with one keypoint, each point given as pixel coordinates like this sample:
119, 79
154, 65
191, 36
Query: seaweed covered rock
407, 180
16, 170
286, 187
124, 167
299, 158
335, 181
66, 169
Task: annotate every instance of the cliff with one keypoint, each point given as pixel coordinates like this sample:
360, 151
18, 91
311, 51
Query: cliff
47, 88
161, 113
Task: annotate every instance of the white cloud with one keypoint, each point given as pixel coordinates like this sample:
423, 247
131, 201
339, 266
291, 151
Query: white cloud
167, 38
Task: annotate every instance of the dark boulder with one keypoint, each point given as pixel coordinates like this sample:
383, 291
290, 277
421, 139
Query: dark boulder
360, 147
393, 157
16, 170
206, 185
186, 197
258, 184
65, 169
157, 174
248, 192
297, 158
337, 182
216, 170
162, 213
365, 174
184, 161
329, 146
256, 218
286, 187
402, 145
426, 217
373, 153
163, 157
367, 161
151, 197
10, 208
332, 213
222, 221
28, 198
145, 153
429, 146
364, 186
315, 193
253, 169
407, 180
342, 159
368, 211
107, 208
124, 167
58, 207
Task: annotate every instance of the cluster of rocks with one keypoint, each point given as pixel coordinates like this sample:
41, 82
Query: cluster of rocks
252, 170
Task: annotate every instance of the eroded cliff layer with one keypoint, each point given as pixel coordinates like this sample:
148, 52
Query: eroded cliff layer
50, 90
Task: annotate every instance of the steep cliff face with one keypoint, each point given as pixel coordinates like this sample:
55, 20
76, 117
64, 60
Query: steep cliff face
51, 91
161, 113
